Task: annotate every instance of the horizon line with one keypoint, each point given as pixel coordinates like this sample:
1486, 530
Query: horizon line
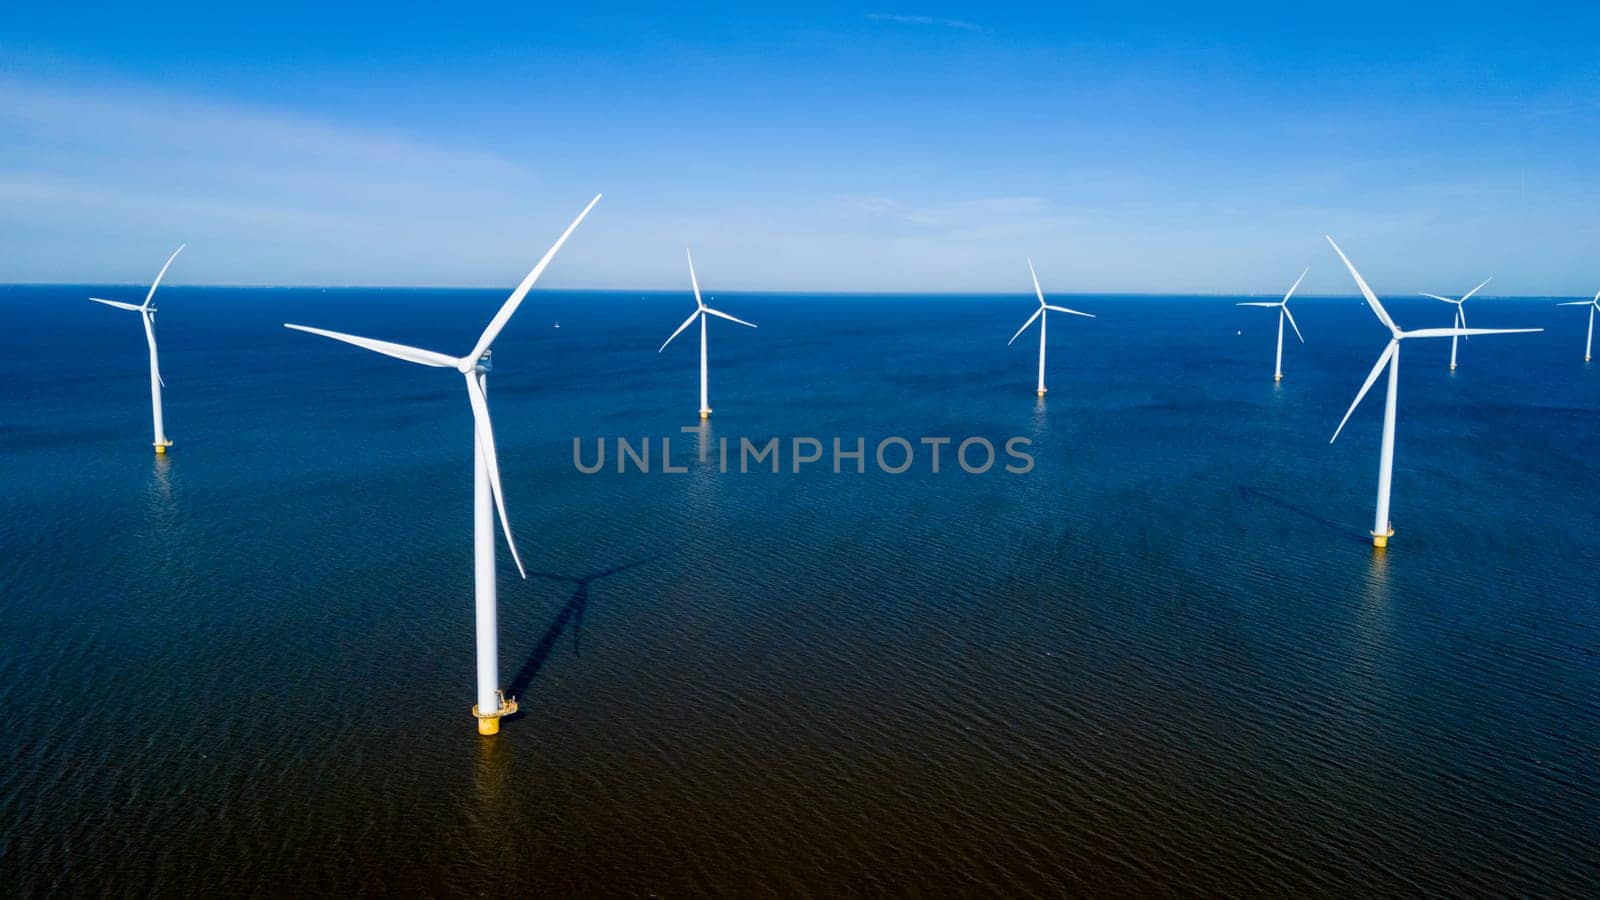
833, 292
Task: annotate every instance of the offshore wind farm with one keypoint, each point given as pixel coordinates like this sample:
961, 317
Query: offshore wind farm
307, 564
888, 624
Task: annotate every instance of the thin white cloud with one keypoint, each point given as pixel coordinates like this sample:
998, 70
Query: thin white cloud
932, 21
951, 215
96, 178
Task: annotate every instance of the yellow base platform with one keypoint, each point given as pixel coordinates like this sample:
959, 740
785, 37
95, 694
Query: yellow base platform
489, 722
1041, 392
1277, 378
1380, 541
705, 413
162, 447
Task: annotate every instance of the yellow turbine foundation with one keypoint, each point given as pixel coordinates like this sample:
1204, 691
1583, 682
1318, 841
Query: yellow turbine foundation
161, 448
1277, 377
705, 413
1380, 541
489, 722
1041, 392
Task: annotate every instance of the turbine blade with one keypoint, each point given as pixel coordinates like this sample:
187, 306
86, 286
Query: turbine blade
1296, 284
398, 351
1036, 289
699, 304
515, 300
1372, 299
1063, 309
1296, 328
1574, 303
163, 271
480, 421
120, 305
1036, 314
686, 323
1478, 288
1258, 303
718, 312
1463, 332
1437, 297
1377, 369
1461, 316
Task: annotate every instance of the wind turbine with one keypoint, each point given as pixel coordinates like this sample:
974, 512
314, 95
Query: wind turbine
701, 310
148, 314
1283, 312
1382, 530
1587, 347
474, 367
1041, 315
1461, 314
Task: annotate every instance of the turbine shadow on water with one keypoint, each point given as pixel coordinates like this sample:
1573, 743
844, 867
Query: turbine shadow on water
571, 613
1249, 493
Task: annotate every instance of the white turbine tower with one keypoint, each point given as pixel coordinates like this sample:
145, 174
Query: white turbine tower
1042, 315
1282, 306
700, 312
1382, 530
474, 367
1588, 347
148, 314
1461, 314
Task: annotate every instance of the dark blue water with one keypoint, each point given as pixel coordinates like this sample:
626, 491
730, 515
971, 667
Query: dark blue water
1167, 659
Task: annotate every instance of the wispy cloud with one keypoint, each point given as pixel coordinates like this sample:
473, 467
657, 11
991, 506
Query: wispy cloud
99, 177
951, 215
930, 21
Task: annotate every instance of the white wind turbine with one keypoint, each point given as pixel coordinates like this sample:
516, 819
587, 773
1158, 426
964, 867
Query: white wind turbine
1282, 306
700, 312
1588, 347
1461, 314
1382, 530
474, 367
148, 314
1042, 315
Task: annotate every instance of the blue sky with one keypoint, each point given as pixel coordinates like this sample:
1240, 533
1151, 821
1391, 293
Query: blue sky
925, 147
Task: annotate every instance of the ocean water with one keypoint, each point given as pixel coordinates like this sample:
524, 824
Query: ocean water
1167, 659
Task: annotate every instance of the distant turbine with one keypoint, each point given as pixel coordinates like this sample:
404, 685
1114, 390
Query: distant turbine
1381, 528
148, 314
1040, 314
1588, 347
474, 367
1461, 314
1283, 313
700, 312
